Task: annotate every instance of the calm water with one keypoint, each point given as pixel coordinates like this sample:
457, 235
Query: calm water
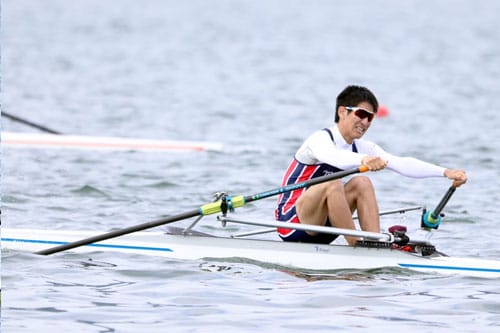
258, 76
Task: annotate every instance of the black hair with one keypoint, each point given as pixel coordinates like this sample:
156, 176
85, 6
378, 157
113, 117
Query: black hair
352, 96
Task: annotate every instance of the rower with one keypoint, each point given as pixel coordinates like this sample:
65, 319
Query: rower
341, 147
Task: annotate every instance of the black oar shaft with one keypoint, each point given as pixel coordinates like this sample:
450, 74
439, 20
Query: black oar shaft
432, 219
443, 202
29, 123
311, 182
207, 209
120, 232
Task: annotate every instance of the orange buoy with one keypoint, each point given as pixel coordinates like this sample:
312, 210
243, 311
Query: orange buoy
382, 111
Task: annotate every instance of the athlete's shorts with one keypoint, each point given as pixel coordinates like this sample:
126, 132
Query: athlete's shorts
301, 236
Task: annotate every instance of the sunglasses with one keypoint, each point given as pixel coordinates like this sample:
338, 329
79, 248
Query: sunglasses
361, 113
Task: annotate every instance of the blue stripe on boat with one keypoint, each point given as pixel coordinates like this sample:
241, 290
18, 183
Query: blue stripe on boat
126, 247
452, 268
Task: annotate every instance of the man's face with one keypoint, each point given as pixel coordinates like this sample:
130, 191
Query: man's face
354, 124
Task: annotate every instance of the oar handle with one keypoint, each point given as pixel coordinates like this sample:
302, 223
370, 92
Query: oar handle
432, 218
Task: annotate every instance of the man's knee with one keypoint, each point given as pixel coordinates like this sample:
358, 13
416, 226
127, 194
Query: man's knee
334, 188
360, 184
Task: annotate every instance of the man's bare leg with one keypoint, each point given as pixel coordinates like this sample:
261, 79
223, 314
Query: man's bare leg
325, 200
337, 202
360, 195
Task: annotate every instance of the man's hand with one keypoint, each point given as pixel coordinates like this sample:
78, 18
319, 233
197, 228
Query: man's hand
459, 177
374, 163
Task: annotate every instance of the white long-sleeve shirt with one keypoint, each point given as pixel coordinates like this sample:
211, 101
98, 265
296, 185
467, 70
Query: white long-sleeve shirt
319, 148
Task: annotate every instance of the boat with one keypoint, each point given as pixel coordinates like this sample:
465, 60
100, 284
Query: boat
373, 251
392, 249
60, 141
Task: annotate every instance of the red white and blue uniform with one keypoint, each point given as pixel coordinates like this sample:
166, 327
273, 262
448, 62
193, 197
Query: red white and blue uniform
325, 152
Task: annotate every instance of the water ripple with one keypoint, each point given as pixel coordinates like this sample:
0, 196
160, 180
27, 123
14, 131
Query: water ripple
258, 76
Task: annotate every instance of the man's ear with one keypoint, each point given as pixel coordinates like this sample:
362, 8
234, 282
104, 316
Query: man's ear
342, 111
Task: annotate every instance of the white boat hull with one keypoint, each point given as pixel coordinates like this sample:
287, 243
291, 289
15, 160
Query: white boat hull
42, 140
291, 255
